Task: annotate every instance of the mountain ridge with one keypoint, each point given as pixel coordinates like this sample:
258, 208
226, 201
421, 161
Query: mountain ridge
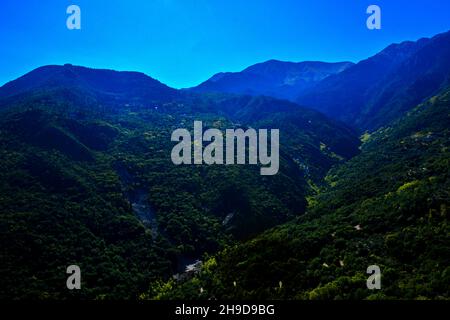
280, 79
97, 81
380, 89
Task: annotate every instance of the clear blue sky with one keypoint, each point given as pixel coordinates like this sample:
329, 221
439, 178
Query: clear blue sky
184, 42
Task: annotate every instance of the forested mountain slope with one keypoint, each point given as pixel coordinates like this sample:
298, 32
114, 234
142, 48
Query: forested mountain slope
387, 206
86, 178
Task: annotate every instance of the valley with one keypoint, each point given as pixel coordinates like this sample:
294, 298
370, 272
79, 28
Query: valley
362, 178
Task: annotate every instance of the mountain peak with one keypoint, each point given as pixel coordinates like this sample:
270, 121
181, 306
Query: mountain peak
380, 89
97, 81
280, 79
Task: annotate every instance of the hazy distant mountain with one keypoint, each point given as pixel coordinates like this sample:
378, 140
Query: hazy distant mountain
380, 89
366, 95
279, 79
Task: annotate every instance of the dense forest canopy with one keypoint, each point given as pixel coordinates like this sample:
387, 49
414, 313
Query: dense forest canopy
86, 178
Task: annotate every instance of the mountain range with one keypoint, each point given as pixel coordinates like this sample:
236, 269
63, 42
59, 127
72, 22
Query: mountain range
86, 178
86, 163
279, 79
365, 95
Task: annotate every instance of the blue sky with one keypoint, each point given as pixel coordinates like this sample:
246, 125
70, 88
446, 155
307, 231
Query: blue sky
184, 42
